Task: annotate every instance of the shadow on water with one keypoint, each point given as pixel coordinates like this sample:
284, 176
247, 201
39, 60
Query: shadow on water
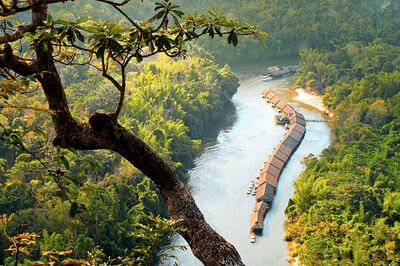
221, 123
224, 122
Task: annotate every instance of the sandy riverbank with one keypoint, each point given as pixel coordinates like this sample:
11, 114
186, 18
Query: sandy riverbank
313, 100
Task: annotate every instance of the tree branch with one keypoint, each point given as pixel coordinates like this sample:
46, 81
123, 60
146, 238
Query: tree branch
16, 64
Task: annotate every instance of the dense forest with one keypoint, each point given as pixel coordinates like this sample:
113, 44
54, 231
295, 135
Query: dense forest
89, 80
347, 202
296, 25
168, 105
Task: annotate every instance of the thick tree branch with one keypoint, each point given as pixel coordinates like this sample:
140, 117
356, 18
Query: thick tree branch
16, 64
104, 132
17, 34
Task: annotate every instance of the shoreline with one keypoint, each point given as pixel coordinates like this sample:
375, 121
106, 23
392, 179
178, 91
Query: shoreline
313, 100
309, 98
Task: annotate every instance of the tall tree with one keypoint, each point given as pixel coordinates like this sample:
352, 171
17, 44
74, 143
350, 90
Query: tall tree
32, 50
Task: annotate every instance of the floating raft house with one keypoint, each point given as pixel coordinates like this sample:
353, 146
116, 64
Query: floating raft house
274, 165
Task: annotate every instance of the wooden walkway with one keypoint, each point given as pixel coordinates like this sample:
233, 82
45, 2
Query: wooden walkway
272, 168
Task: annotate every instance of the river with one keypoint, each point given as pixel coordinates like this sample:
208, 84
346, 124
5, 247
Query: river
233, 158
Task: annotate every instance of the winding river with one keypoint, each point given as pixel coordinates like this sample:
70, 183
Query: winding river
232, 158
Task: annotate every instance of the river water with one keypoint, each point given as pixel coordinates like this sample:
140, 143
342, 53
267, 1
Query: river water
233, 157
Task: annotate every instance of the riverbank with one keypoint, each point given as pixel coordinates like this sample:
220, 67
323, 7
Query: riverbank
309, 98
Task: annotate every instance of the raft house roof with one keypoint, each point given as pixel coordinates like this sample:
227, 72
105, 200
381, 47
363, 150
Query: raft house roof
265, 91
288, 110
298, 115
265, 192
256, 221
299, 128
281, 104
297, 120
281, 156
261, 207
273, 170
269, 179
285, 149
275, 100
275, 162
296, 135
291, 142
270, 95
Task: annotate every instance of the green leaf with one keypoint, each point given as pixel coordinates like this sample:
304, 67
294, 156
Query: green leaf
79, 35
65, 162
73, 210
233, 39
100, 51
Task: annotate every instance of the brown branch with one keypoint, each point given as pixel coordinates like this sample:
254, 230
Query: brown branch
122, 3
17, 34
104, 132
16, 64
122, 92
5, 12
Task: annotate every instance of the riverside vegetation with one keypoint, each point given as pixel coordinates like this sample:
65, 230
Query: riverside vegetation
346, 207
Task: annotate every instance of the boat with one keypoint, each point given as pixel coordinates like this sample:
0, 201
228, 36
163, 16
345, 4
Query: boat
252, 238
267, 78
248, 191
253, 193
277, 72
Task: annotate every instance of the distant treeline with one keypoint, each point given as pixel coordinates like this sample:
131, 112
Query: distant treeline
296, 25
292, 25
346, 207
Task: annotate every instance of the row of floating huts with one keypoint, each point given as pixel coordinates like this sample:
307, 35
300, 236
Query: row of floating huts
269, 174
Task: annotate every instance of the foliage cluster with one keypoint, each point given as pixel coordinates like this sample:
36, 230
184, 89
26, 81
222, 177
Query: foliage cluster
96, 202
346, 205
305, 24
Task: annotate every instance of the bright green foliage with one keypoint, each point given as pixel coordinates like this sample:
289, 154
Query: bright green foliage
95, 201
320, 70
345, 210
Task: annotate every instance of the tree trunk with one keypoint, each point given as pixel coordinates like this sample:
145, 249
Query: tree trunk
104, 132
